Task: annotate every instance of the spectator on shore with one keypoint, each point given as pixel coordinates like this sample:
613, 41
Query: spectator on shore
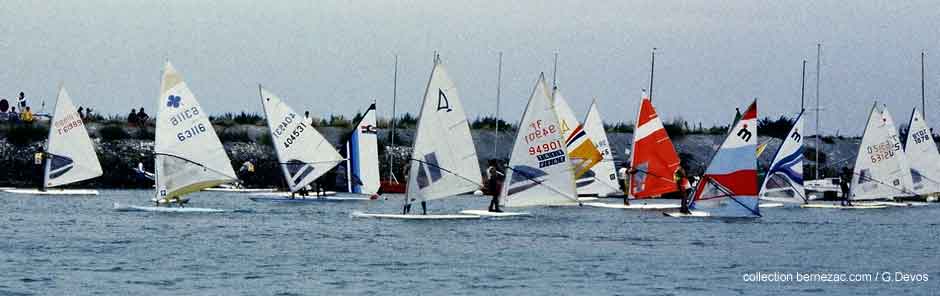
81, 112
22, 100
88, 117
307, 119
142, 117
12, 115
27, 116
132, 117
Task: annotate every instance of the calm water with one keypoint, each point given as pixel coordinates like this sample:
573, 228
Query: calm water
81, 246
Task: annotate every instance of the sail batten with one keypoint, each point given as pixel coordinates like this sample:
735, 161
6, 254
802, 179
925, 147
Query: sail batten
188, 154
444, 160
70, 152
540, 171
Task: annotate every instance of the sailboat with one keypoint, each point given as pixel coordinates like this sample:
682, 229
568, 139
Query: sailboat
188, 154
601, 179
583, 153
362, 151
729, 186
919, 145
654, 159
540, 171
70, 153
882, 171
303, 153
783, 182
444, 160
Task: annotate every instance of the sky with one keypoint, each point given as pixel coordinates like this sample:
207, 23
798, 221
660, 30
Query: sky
336, 56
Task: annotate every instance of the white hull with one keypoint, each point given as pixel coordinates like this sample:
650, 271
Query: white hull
52, 191
310, 195
240, 190
414, 217
891, 204
485, 213
632, 206
309, 199
839, 206
683, 215
132, 208
770, 205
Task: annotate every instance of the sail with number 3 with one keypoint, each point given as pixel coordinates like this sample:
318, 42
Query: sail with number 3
729, 186
444, 159
189, 155
925, 172
784, 180
881, 168
303, 153
539, 171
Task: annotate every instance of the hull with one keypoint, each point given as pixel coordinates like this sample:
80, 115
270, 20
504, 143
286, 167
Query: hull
132, 208
414, 217
692, 214
632, 206
309, 199
485, 213
63, 192
839, 206
240, 190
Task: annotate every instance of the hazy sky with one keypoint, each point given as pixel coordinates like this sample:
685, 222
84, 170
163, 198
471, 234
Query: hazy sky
334, 56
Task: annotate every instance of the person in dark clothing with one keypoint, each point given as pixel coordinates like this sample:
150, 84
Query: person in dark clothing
678, 177
844, 186
407, 209
132, 117
494, 180
142, 117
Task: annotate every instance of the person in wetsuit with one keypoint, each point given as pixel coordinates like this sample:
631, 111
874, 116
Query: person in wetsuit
493, 183
678, 176
844, 186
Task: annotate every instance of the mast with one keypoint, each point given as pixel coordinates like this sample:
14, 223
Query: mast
923, 87
803, 88
818, 54
499, 77
652, 69
555, 72
391, 159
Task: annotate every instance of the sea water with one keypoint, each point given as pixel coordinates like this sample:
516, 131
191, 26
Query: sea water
80, 245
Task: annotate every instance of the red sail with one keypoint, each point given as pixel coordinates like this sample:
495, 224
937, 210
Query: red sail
654, 158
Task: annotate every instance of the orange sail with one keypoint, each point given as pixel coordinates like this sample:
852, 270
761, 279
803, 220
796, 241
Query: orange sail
654, 159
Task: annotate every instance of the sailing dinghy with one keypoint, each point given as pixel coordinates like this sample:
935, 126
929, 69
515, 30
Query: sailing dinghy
882, 171
444, 161
601, 179
303, 153
654, 160
189, 156
540, 172
362, 174
920, 145
70, 153
784, 179
729, 186
583, 154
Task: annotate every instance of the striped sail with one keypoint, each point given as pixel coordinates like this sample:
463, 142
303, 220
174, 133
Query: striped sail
920, 146
601, 179
581, 149
784, 179
654, 157
539, 171
881, 170
304, 154
729, 186
444, 159
364, 155
70, 153
189, 155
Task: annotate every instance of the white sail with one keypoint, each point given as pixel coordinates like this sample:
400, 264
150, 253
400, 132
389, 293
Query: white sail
581, 150
70, 153
784, 179
189, 155
303, 153
444, 160
921, 148
882, 170
602, 178
539, 171
364, 155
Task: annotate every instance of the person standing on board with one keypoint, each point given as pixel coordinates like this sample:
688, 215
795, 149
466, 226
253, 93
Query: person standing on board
22, 100
844, 185
678, 176
493, 177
